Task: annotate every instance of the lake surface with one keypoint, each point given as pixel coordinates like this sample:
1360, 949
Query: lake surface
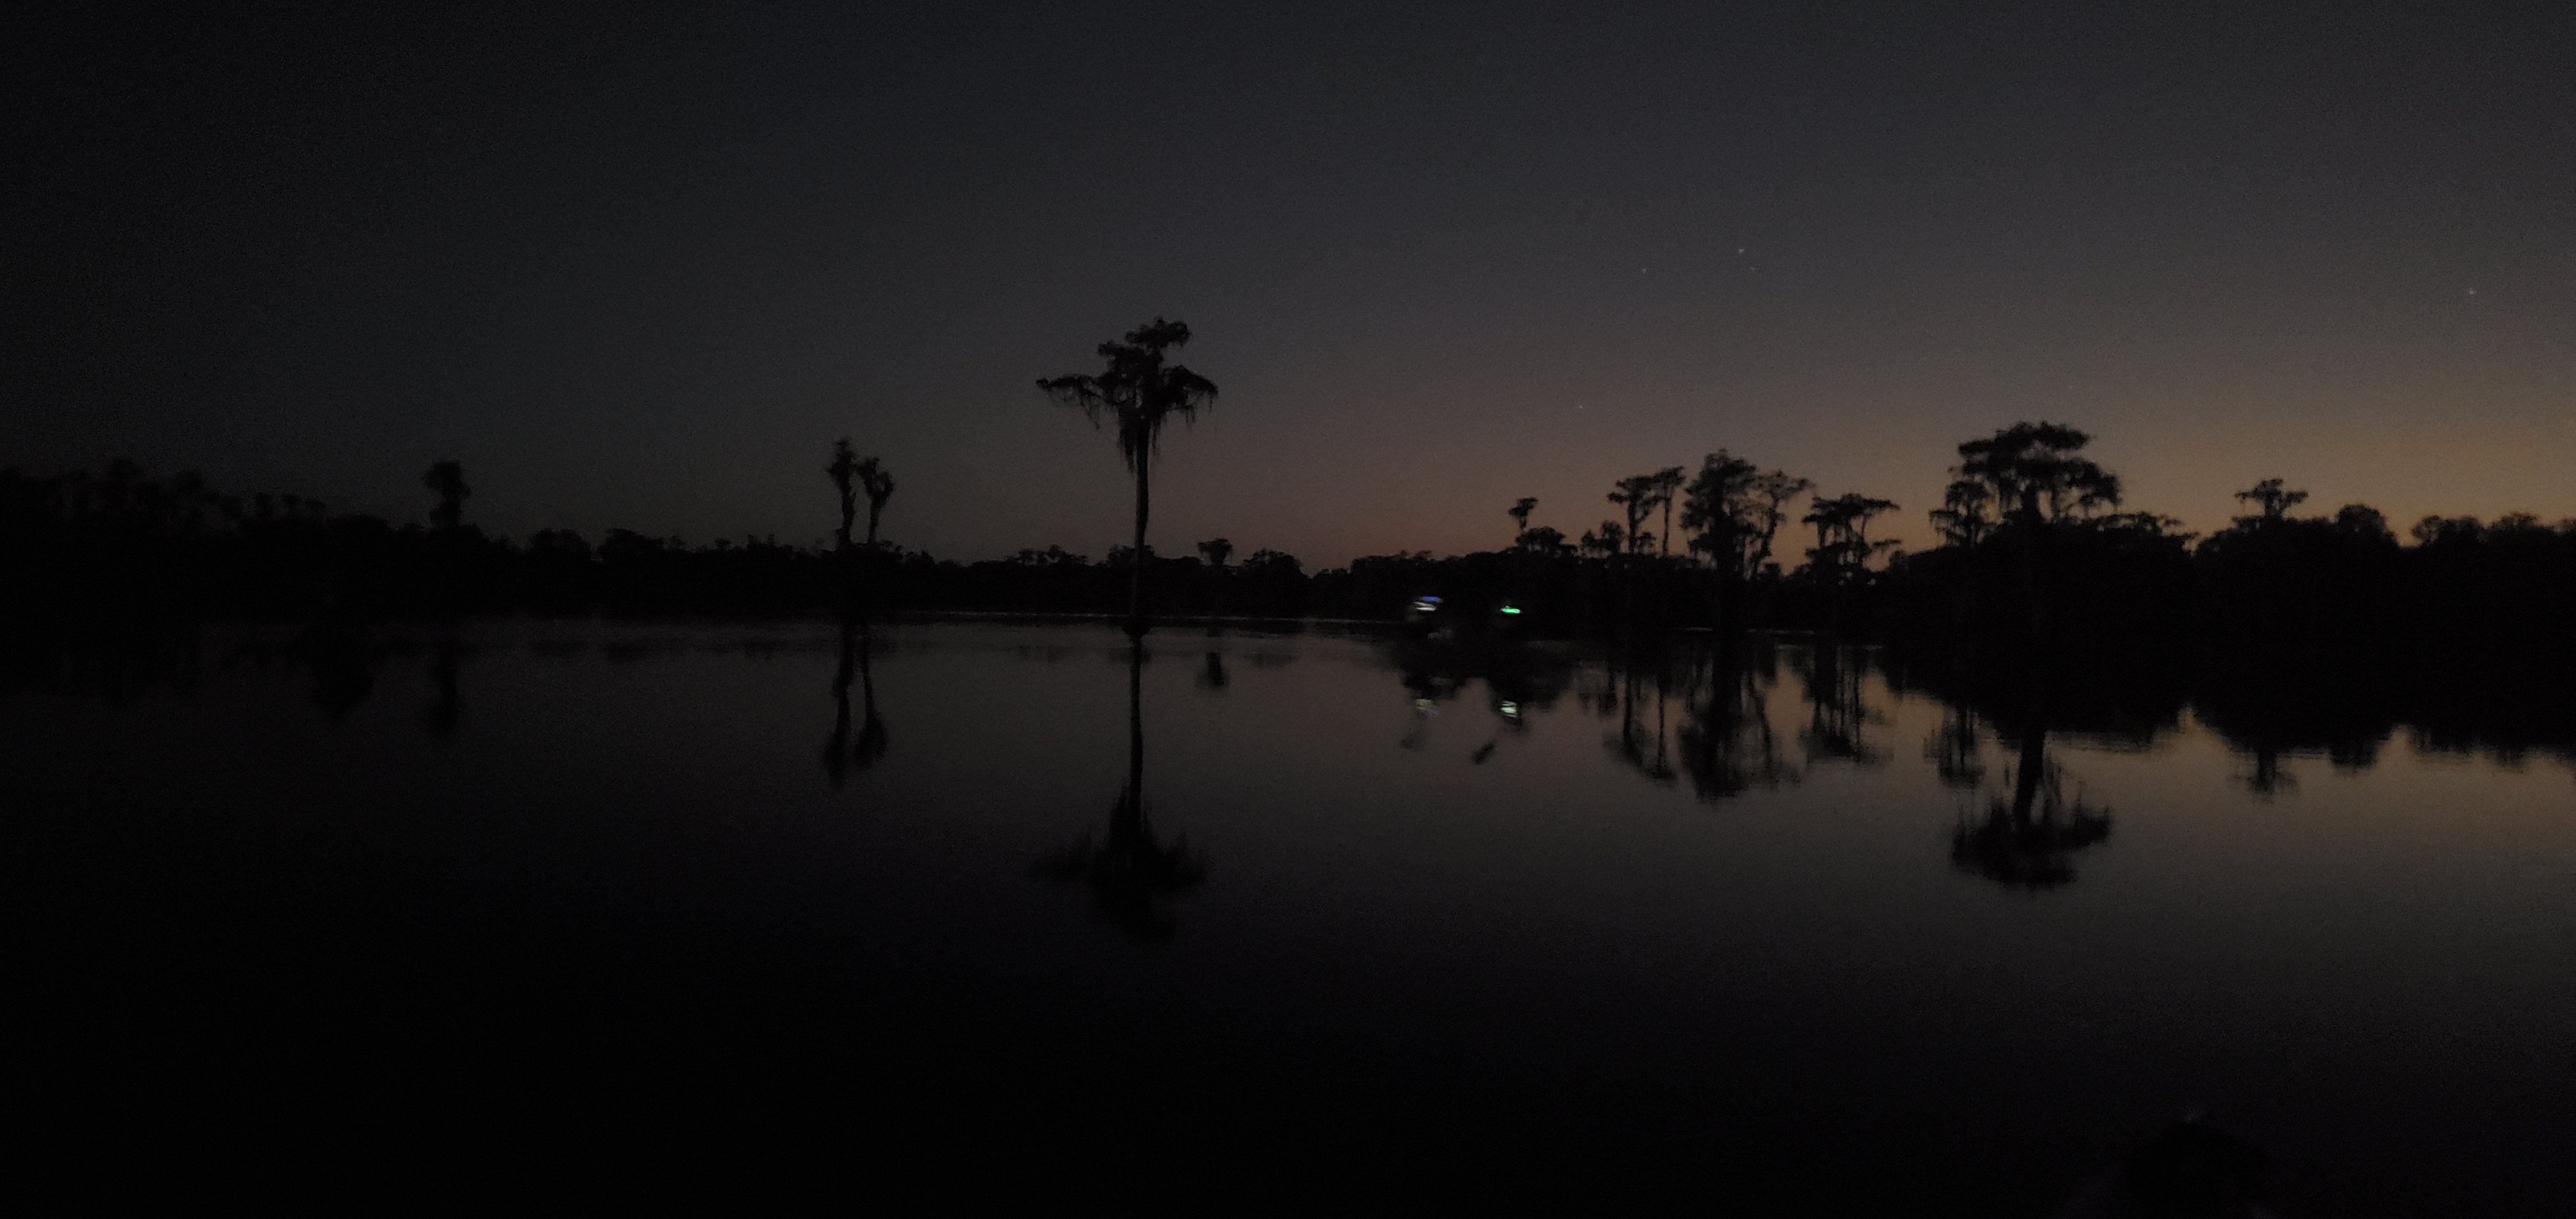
1773, 926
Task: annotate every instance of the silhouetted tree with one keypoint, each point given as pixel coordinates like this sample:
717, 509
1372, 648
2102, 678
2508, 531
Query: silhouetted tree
2032, 470
1717, 510
1142, 393
2363, 521
844, 475
1216, 551
879, 486
1668, 482
1607, 540
1639, 495
1520, 514
446, 480
1543, 540
1052, 556
2274, 502
1843, 548
2435, 531
1966, 514
1771, 495
1734, 514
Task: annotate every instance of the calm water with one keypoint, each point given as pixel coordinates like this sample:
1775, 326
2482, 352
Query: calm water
1768, 930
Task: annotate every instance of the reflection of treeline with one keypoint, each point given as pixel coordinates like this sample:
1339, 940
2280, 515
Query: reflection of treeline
2328, 705
1709, 709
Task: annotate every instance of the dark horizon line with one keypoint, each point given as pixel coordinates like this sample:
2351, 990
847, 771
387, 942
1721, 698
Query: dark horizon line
237, 510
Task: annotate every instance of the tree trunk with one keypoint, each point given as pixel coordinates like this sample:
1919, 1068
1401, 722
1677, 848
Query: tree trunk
2034, 588
1136, 726
1136, 558
843, 584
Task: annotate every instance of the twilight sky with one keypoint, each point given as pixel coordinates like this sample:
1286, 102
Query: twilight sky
640, 271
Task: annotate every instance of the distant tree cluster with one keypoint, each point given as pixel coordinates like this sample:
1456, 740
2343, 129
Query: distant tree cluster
2034, 545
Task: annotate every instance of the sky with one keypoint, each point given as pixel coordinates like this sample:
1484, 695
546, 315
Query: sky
638, 268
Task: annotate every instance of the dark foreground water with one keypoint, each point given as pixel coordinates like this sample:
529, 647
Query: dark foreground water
1262, 916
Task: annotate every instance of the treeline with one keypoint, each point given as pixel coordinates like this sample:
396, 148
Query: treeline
121, 544
2035, 545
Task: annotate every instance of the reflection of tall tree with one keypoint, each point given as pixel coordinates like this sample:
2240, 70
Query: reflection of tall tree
2030, 842
1954, 748
1646, 750
1639, 743
1727, 743
2268, 779
840, 755
344, 671
1837, 713
1129, 874
444, 710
